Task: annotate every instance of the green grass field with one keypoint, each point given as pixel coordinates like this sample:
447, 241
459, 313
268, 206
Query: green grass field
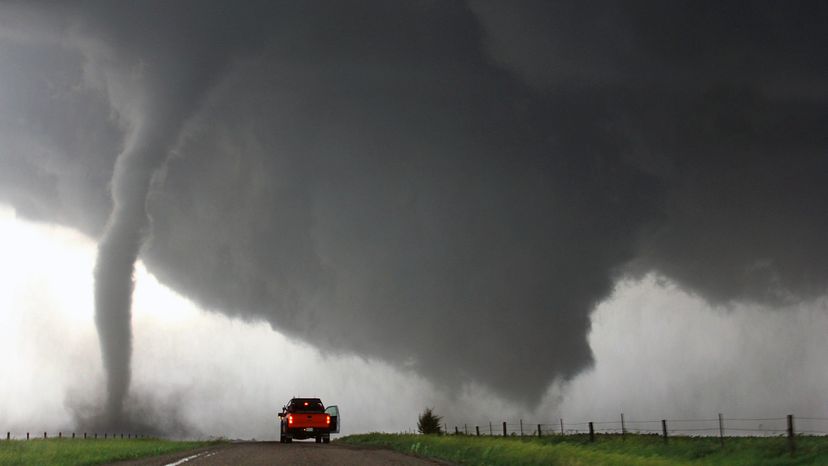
649, 450
85, 452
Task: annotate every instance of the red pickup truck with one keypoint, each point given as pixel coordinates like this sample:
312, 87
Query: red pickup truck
304, 418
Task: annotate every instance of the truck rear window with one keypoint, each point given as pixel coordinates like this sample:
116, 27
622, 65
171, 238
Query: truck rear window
306, 406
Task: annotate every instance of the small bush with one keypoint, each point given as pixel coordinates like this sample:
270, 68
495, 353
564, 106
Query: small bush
429, 423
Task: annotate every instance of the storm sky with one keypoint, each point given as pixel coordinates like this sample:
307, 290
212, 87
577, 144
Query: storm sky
448, 188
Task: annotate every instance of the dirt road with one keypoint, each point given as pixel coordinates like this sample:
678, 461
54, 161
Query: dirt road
270, 453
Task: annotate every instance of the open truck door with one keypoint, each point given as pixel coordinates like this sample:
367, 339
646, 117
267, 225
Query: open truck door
333, 412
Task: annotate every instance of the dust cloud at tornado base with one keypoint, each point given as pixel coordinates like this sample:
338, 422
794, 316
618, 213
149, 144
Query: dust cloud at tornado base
419, 183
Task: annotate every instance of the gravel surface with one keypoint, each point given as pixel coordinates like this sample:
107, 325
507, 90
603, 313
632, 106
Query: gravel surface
296, 453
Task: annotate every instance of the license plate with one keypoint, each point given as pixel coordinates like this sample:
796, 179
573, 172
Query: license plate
309, 429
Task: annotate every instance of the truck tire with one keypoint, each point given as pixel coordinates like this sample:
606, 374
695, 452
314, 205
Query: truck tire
326, 439
318, 439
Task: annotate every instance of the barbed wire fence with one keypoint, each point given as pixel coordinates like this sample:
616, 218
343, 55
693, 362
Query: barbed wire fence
719, 426
74, 436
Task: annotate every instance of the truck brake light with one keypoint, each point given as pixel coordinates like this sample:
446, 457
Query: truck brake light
328, 419
290, 419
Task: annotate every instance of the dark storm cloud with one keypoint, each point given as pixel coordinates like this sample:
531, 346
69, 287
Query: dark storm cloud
57, 143
448, 187
725, 103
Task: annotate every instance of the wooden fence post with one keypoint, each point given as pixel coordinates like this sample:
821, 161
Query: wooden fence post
84, 435
44, 435
27, 436
504, 428
623, 428
491, 432
791, 438
477, 429
73, 435
8, 435
60, 434
721, 430
664, 429
539, 431
456, 431
521, 427
466, 429
562, 431
591, 432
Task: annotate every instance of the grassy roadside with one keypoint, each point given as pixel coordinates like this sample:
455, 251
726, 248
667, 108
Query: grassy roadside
86, 452
644, 450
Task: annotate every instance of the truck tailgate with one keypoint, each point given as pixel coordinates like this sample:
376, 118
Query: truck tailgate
304, 420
